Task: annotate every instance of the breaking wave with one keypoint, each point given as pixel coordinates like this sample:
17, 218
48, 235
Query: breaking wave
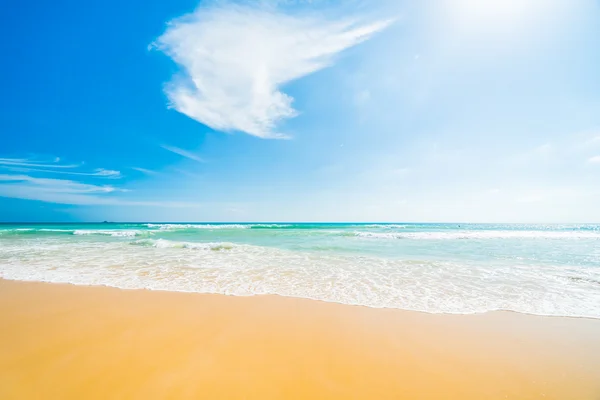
479, 235
459, 287
113, 233
168, 244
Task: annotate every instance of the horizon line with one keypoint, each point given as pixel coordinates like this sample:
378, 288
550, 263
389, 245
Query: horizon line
291, 222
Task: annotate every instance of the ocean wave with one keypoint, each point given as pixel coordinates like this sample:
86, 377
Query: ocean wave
17, 230
77, 232
272, 225
169, 244
177, 227
385, 226
244, 270
32, 231
113, 233
171, 227
479, 235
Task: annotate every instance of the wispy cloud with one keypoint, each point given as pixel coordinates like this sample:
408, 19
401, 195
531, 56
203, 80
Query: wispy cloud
23, 162
145, 171
62, 191
235, 59
183, 153
28, 165
100, 172
57, 185
594, 160
32, 183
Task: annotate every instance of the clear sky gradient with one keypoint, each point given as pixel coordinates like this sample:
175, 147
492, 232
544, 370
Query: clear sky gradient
385, 110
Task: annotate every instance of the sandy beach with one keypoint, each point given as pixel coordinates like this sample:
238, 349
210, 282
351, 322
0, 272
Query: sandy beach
74, 342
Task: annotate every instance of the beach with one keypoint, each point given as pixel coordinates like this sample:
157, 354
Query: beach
300, 200
70, 342
539, 269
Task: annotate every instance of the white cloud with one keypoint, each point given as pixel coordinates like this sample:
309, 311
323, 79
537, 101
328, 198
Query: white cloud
145, 171
183, 153
23, 162
100, 172
105, 172
52, 167
63, 191
235, 59
56, 185
594, 160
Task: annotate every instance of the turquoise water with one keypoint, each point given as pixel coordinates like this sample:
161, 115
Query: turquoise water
438, 268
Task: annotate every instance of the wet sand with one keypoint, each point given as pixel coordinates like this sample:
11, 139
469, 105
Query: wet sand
73, 342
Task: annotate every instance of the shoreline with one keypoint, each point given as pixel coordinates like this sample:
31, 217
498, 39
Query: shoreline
276, 295
69, 341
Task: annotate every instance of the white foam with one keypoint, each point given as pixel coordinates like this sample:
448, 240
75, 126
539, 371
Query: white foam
270, 225
113, 233
167, 244
386, 226
20, 230
237, 269
481, 235
168, 227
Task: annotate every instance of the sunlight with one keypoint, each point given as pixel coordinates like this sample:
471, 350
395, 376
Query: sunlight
500, 19
495, 11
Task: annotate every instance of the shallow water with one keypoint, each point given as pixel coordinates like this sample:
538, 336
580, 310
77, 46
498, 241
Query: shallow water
438, 268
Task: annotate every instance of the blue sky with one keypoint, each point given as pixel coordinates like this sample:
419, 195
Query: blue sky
452, 110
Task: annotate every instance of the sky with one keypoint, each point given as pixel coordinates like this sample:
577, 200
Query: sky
322, 110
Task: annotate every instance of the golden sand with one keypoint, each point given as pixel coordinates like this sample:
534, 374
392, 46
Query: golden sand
69, 342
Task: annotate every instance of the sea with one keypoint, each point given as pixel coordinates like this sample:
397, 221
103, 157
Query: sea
551, 270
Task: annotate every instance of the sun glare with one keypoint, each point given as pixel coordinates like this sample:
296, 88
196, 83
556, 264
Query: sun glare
495, 11
499, 22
